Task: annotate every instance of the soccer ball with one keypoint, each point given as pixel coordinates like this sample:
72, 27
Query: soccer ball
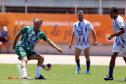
47, 67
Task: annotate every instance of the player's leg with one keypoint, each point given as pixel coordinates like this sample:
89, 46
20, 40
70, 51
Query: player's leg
87, 56
39, 64
77, 59
111, 66
124, 59
23, 58
24, 62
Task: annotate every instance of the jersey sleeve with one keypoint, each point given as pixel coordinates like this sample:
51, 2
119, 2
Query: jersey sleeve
121, 23
90, 27
43, 36
24, 30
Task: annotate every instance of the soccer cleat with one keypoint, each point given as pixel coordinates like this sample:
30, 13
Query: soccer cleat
77, 70
88, 72
27, 77
109, 78
40, 77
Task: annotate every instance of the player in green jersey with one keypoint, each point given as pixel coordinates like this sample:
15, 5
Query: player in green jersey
24, 48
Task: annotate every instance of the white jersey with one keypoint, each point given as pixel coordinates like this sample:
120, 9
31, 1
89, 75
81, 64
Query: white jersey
82, 31
120, 41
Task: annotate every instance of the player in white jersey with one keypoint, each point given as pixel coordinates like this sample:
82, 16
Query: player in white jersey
119, 45
81, 30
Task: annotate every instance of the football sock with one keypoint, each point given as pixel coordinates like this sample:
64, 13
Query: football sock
38, 71
78, 63
111, 67
24, 72
88, 65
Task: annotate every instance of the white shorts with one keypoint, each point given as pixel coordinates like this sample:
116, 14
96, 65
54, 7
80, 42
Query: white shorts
82, 47
116, 48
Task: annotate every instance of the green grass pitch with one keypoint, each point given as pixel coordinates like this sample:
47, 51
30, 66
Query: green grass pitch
63, 74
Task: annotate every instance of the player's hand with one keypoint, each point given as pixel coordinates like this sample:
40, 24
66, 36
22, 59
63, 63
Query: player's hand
110, 37
95, 43
60, 50
70, 46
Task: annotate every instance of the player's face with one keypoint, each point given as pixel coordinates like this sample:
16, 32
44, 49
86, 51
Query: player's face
113, 15
80, 16
37, 25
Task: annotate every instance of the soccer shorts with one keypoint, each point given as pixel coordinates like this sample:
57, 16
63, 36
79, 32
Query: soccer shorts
116, 48
82, 47
21, 52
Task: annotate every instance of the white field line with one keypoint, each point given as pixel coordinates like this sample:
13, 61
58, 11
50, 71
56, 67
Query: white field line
62, 59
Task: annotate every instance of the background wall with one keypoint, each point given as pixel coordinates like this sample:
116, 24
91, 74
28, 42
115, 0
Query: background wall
58, 28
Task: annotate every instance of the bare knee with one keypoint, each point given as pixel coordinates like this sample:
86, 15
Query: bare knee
76, 57
24, 63
41, 58
87, 58
113, 58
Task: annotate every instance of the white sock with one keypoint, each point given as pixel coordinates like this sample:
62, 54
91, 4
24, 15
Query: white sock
38, 71
24, 72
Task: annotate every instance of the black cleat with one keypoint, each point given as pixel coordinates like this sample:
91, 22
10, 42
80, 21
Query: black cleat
39, 78
109, 78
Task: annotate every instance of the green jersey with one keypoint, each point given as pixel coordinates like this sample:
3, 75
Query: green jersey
30, 38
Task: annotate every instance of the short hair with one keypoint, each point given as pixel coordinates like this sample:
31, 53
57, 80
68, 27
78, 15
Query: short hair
114, 10
80, 11
37, 20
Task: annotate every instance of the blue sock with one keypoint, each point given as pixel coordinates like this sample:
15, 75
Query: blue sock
88, 65
111, 67
78, 63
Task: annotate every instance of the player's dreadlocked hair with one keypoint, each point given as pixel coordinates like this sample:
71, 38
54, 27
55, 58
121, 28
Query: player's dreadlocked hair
114, 9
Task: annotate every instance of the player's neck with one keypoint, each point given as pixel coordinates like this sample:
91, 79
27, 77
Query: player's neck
36, 29
80, 20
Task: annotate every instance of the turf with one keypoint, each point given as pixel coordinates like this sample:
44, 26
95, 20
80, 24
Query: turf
63, 74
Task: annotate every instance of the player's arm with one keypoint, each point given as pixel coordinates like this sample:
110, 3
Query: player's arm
16, 39
72, 39
94, 37
122, 30
51, 43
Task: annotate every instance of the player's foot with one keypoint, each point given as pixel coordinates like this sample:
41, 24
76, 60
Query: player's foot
77, 70
27, 77
88, 72
109, 78
40, 77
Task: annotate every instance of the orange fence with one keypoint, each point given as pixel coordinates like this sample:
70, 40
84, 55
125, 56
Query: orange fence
58, 27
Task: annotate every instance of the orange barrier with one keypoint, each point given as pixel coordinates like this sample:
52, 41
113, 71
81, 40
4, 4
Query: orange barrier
58, 27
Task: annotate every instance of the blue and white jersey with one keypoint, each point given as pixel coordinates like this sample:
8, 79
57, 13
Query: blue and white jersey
120, 23
82, 31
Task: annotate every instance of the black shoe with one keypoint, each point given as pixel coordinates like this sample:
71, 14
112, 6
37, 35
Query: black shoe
109, 78
40, 77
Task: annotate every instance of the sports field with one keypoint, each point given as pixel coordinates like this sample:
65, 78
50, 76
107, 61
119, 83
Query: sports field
61, 73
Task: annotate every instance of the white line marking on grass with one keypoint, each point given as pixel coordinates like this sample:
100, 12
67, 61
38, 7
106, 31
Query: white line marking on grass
20, 73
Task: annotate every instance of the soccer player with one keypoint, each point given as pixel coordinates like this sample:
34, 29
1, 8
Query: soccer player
119, 45
81, 30
24, 48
